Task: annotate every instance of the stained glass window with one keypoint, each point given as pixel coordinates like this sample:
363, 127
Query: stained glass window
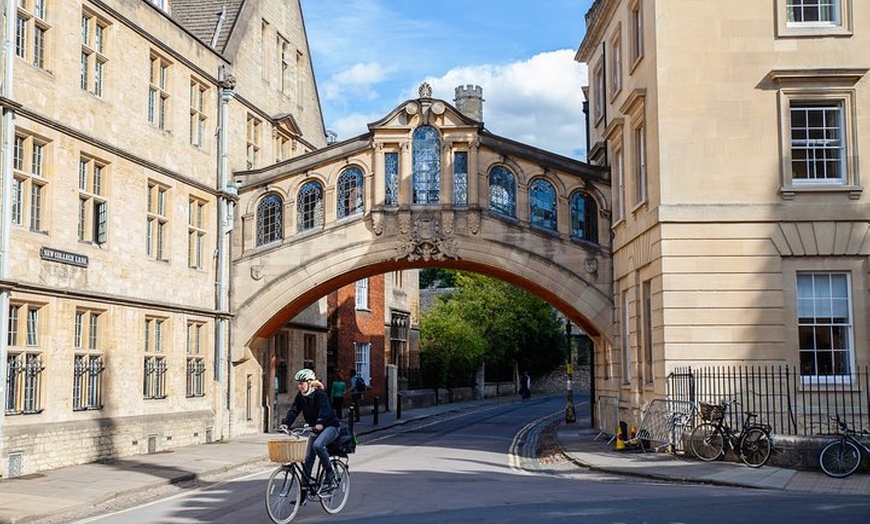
426, 159
542, 204
584, 217
269, 219
460, 178
309, 207
350, 192
502, 191
391, 170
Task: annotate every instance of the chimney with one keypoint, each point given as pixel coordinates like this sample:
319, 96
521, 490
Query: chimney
469, 101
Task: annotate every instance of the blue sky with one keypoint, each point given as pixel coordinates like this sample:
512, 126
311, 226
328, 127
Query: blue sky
371, 55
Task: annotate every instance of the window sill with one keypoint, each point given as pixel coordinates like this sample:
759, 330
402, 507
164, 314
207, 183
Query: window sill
789, 192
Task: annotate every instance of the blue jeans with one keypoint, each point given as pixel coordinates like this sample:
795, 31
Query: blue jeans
317, 445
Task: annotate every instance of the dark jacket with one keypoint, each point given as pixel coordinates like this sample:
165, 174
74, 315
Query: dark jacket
315, 409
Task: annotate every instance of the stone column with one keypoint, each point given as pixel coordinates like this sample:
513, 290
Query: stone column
377, 190
446, 197
406, 179
474, 178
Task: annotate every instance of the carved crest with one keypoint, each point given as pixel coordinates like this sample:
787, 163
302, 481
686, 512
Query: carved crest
426, 242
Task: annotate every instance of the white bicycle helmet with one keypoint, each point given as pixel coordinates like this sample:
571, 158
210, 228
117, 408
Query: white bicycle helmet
304, 375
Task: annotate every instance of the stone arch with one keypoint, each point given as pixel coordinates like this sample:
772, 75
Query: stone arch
285, 289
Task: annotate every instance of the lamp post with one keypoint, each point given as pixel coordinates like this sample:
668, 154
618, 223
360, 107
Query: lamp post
570, 416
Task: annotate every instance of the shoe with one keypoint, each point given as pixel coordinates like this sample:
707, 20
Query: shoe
329, 485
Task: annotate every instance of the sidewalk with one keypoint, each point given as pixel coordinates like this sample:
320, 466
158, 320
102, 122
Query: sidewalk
578, 443
29, 498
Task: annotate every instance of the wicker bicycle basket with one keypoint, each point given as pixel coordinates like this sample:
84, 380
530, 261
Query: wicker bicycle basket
287, 450
712, 412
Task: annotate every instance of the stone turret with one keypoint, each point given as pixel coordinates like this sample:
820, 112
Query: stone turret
469, 101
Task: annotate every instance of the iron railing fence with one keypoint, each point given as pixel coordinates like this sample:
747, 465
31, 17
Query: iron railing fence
793, 404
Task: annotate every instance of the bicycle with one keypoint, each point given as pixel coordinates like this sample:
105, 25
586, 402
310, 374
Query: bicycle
842, 456
289, 486
708, 439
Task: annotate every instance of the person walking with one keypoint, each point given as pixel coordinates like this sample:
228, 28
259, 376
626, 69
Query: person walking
339, 386
525, 386
357, 387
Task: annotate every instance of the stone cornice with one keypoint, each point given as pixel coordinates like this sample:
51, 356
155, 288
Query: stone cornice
834, 76
597, 19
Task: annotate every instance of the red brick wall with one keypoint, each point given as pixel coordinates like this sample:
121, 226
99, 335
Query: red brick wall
348, 325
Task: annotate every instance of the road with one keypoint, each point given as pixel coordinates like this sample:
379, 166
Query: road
480, 467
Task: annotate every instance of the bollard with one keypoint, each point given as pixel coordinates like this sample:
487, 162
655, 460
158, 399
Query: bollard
350, 420
375, 403
399, 406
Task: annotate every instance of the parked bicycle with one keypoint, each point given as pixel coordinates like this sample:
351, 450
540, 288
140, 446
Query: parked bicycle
289, 486
710, 438
842, 456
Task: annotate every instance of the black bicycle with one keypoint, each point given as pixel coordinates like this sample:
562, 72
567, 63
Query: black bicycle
289, 486
708, 439
842, 456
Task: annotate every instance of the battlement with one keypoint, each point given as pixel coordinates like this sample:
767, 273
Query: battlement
469, 101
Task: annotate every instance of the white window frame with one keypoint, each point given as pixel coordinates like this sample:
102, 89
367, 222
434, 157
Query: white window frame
363, 355
635, 10
361, 293
825, 300
615, 64
841, 25
845, 98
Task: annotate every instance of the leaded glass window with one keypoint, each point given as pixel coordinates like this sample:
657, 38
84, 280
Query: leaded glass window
502, 191
584, 217
426, 159
460, 178
269, 219
350, 192
391, 172
309, 207
542, 204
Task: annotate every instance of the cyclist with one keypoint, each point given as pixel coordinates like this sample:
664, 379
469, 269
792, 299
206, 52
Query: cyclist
313, 403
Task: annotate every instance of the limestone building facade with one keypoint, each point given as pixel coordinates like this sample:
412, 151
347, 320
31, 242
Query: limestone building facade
122, 120
737, 142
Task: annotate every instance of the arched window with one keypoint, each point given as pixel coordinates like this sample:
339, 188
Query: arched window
350, 192
309, 207
270, 221
584, 217
502, 191
426, 157
542, 204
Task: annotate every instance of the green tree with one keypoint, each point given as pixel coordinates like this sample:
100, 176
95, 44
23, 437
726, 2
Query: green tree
514, 326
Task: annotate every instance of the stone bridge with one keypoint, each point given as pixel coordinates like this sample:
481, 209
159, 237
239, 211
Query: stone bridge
427, 186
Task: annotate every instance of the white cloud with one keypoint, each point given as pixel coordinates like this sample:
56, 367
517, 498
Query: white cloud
536, 101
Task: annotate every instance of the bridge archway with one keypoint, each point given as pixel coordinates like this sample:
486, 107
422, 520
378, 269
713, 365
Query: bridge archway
453, 196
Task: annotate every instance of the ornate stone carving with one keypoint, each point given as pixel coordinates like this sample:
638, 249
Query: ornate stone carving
426, 242
474, 222
438, 108
257, 272
425, 90
377, 224
591, 265
411, 108
404, 223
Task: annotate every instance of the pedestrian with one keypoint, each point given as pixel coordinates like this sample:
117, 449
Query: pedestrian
525, 386
357, 388
312, 403
337, 393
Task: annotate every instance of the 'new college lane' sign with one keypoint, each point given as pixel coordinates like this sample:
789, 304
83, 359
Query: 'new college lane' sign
64, 257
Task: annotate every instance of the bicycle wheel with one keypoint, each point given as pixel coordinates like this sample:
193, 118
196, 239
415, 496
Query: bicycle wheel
840, 458
334, 501
755, 447
282, 495
707, 442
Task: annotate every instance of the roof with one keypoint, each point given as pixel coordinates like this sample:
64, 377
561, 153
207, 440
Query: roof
205, 18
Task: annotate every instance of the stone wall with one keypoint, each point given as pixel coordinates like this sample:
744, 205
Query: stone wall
34, 447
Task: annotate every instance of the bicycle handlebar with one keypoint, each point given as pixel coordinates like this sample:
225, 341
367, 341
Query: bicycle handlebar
304, 431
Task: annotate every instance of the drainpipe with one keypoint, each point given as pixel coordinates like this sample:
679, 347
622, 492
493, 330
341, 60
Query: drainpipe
6, 213
223, 356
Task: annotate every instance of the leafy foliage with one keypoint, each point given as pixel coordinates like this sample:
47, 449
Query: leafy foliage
489, 320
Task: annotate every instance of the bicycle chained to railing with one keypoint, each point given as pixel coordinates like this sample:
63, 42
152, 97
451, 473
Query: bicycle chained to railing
842, 456
289, 485
709, 439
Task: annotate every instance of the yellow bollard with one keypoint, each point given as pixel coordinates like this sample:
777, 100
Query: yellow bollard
620, 440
